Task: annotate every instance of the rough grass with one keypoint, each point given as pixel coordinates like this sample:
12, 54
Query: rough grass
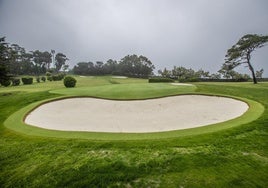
236, 157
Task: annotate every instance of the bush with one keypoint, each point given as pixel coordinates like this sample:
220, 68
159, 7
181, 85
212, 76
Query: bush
58, 77
15, 81
69, 81
160, 79
193, 79
49, 78
48, 74
5, 83
43, 78
38, 79
27, 80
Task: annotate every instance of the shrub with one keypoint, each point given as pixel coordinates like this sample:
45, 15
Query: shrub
69, 81
193, 79
48, 74
15, 81
160, 79
58, 77
27, 80
61, 75
5, 83
43, 78
49, 78
38, 79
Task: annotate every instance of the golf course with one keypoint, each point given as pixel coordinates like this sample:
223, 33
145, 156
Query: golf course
229, 151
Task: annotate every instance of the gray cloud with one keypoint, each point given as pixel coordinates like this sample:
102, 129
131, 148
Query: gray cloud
190, 33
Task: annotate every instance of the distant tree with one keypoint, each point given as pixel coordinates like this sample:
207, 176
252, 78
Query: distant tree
240, 53
111, 67
179, 72
81, 68
130, 65
184, 74
259, 73
136, 66
27, 66
42, 61
165, 73
215, 76
202, 74
145, 66
4, 61
65, 68
16, 58
60, 60
99, 68
47, 59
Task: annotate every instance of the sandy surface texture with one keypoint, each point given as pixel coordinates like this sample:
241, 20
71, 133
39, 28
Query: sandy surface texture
181, 84
153, 115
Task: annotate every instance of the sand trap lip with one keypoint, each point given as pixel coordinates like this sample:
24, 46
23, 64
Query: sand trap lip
139, 116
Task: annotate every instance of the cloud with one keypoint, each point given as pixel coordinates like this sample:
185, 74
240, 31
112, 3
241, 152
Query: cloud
189, 33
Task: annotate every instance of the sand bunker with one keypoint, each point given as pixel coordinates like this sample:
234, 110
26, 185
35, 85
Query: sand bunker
154, 115
181, 84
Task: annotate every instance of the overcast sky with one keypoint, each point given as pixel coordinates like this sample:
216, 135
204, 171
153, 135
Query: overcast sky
191, 33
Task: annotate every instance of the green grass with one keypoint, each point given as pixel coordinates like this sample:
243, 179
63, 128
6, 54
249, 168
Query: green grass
127, 91
232, 157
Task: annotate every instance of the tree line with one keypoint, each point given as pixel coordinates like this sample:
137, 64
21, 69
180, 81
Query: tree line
189, 75
130, 65
15, 60
238, 54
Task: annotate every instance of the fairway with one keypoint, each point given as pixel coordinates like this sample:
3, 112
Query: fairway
128, 91
232, 153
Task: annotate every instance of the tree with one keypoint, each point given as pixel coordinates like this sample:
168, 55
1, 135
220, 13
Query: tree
99, 68
4, 61
215, 76
259, 73
16, 57
136, 66
110, 67
60, 61
39, 62
165, 73
240, 53
82, 68
65, 68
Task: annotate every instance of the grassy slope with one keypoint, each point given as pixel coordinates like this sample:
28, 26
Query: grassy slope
230, 158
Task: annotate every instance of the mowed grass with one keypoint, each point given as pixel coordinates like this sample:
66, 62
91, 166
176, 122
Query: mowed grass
127, 91
236, 157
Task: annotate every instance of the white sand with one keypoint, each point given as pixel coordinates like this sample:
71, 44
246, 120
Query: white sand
181, 84
154, 115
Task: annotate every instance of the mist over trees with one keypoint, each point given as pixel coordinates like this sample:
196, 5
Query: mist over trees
130, 65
